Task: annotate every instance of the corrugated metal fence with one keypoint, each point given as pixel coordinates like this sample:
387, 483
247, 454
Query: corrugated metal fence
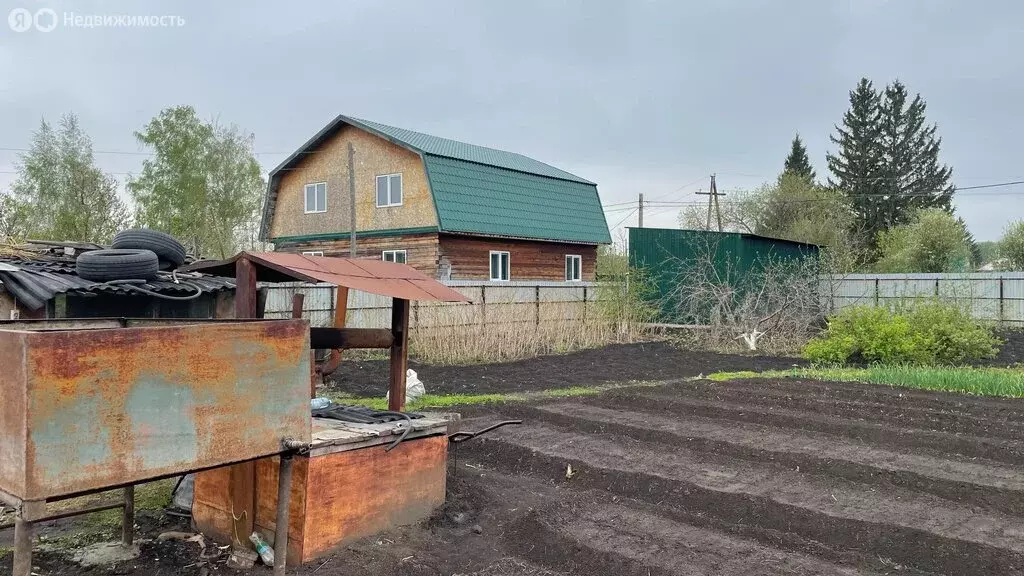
995, 296
492, 303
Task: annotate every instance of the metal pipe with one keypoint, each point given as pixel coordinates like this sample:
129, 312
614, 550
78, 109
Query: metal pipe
70, 513
128, 518
284, 497
22, 547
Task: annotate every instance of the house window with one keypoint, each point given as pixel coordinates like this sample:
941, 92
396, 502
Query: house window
573, 268
314, 253
389, 190
393, 256
499, 265
316, 197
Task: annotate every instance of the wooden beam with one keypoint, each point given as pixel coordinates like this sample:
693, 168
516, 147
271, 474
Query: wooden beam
245, 288
399, 354
328, 338
242, 483
340, 317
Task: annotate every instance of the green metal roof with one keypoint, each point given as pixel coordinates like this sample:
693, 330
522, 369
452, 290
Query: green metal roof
489, 200
483, 191
437, 146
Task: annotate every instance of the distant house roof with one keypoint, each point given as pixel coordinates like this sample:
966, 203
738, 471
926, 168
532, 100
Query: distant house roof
481, 191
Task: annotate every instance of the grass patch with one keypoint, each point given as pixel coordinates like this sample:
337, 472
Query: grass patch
448, 400
1004, 382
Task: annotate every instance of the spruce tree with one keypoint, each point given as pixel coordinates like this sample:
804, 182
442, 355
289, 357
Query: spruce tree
913, 177
797, 162
888, 159
857, 165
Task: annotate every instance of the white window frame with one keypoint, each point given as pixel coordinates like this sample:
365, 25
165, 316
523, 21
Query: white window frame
313, 253
394, 253
578, 268
305, 198
401, 190
507, 268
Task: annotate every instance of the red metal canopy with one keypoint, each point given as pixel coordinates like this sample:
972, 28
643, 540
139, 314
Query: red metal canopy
373, 276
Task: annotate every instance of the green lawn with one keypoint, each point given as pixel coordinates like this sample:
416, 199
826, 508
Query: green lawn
1008, 382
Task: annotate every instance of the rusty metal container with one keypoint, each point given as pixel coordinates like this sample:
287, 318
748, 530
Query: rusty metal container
82, 410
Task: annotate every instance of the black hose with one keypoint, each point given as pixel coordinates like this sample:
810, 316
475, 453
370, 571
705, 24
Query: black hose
134, 285
405, 432
463, 436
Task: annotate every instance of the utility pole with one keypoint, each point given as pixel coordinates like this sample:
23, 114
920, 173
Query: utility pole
640, 219
713, 195
352, 199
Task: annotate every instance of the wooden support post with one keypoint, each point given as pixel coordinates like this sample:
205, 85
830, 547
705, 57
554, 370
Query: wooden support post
22, 547
128, 517
284, 497
245, 288
340, 317
242, 477
297, 302
399, 353
536, 304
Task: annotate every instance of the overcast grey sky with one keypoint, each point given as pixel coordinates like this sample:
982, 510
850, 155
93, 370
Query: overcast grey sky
637, 96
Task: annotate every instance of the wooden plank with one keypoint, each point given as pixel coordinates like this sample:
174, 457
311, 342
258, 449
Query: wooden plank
242, 487
528, 259
361, 492
399, 354
340, 338
242, 477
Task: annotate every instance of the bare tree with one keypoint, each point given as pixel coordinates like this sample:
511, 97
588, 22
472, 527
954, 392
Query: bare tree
773, 304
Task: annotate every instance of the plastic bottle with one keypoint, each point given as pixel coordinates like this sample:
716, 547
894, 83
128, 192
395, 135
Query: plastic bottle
265, 551
318, 403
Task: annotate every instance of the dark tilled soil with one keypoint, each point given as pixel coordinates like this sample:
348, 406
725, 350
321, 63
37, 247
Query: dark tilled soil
648, 361
1012, 350
763, 477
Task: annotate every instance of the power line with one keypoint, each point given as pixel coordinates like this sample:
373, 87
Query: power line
624, 219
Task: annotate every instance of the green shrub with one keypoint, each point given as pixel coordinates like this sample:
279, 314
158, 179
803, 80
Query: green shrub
928, 333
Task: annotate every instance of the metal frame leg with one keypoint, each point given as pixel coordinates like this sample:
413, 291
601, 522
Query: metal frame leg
284, 497
22, 546
128, 518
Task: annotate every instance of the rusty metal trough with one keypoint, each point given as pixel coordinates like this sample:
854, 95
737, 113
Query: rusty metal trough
94, 409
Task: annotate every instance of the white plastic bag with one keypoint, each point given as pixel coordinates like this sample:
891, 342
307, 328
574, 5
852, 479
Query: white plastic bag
414, 388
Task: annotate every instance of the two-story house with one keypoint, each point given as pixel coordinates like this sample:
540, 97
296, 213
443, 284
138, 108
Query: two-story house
452, 210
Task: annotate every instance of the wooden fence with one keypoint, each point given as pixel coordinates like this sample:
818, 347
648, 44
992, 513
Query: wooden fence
993, 296
491, 303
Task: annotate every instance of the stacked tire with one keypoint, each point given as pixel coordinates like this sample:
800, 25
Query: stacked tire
168, 250
137, 254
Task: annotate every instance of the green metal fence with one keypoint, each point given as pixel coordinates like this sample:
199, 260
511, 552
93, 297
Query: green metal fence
663, 254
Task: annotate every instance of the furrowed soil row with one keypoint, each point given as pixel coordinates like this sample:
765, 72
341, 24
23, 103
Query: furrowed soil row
833, 519
669, 402
995, 488
581, 531
948, 416
944, 416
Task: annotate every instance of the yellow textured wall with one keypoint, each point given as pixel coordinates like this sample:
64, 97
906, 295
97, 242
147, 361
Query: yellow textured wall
329, 163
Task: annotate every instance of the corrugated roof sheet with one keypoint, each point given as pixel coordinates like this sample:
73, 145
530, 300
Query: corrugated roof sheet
480, 190
373, 276
35, 282
454, 149
478, 199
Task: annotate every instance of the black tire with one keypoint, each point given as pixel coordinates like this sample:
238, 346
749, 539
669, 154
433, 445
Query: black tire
165, 246
105, 265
